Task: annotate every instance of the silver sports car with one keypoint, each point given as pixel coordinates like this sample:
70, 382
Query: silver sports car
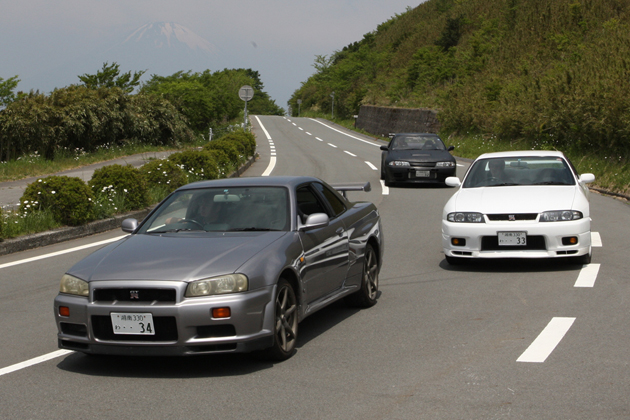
229, 265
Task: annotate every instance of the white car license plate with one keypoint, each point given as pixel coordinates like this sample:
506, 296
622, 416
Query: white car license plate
423, 174
132, 323
512, 238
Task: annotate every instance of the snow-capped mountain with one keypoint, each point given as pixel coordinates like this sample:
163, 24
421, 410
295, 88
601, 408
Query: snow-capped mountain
168, 35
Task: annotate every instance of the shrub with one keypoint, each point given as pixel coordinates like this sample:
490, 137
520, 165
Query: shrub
224, 165
199, 164
126, 183
229, 148
164, 172
69, 199
244, 141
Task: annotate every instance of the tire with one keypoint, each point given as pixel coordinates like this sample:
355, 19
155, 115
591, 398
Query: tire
368, 293
286, 323
455, 260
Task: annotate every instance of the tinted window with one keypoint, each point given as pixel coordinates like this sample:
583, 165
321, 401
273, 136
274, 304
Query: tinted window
335, 202
308, 203
417, 142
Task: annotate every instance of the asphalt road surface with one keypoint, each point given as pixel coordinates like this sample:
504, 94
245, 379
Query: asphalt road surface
515, 340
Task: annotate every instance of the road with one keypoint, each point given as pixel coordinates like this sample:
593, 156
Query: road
524, 340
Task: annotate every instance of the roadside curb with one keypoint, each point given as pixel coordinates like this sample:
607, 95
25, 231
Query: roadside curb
36, 240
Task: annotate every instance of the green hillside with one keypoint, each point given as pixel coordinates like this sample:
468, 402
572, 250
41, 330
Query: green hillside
548, 73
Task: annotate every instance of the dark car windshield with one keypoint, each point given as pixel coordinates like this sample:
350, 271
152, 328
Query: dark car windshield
527, 170
416, 142
222, 209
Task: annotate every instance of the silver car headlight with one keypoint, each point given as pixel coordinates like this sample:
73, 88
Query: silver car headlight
74, 286
465, 217
445, 164
399, 163
560, 215
230, 283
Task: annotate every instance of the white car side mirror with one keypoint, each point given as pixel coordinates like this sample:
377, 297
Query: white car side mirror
587, 178
452, 181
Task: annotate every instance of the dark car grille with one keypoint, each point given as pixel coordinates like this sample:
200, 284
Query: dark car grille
422, 164
491, 243
511, 217
165, 330
135, 295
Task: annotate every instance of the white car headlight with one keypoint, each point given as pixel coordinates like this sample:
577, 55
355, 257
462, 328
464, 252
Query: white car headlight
445, 164
465, 217
230, 283
560, 215
74, 286
399, 163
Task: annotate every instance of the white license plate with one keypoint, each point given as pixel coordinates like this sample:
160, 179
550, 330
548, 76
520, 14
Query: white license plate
132, 323
512, 238
423, 174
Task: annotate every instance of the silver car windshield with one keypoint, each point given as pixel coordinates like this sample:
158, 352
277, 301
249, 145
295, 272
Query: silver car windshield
411, 142
223, 210
500, 172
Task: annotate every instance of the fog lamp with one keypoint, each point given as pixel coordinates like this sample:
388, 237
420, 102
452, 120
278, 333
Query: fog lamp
221, 312
458, 241
570, 240
64, 311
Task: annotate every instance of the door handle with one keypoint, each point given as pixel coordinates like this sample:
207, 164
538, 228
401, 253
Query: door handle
340, 231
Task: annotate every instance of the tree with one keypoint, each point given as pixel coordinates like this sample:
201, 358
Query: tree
6, 90
109, 76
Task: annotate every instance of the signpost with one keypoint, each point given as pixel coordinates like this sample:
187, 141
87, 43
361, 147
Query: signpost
246, 93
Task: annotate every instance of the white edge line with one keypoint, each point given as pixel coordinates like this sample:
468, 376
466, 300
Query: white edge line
384, 188
346, 134
587, 276
272, 160
547, 340
374, 168
34, 361
596, 239
65, 251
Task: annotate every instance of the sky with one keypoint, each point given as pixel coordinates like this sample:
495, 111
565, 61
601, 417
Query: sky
48, 44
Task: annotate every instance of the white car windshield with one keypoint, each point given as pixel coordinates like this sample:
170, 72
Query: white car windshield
222, 209
534, 170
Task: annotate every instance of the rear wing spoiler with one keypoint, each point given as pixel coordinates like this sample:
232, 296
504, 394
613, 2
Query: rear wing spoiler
352, 186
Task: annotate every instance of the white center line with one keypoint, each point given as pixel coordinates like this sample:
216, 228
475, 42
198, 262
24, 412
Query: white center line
374, 168
332, 145
308, 133
351, 154
547, 341
34, 361
588, 275
319, 139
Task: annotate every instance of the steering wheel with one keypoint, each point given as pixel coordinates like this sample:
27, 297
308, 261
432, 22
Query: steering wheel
192, 221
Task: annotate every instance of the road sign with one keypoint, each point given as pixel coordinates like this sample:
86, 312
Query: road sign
246, 93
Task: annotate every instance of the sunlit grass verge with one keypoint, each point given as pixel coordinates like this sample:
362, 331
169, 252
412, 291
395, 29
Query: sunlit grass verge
16, 223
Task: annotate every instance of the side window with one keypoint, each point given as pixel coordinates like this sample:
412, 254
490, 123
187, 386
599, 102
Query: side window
337, 205
308, 203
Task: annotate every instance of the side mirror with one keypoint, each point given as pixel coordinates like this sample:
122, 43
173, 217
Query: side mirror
587, 178
315, 220
452, 181
384, 148
450, 148
129, 225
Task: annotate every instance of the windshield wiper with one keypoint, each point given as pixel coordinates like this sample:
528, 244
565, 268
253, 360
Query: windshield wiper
251, 229
175, 230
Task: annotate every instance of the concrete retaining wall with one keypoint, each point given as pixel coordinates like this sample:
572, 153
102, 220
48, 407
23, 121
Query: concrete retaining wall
384, 120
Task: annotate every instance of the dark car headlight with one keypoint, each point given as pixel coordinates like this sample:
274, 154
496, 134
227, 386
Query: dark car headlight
465, 217
399, 163
560, 215
74, 286
445, 164
230, 283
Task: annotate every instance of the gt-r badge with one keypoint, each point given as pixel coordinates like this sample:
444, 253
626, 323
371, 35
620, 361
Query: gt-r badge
134, 295
511, 218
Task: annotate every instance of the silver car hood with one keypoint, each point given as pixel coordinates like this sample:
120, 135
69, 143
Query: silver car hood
183, 257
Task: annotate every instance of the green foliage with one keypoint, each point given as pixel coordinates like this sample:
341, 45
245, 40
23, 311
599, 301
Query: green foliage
552, 72
244, 141
211, 99
164, 172
124, 183
198, 164
79, 118
109, 76
69, 199
6, 90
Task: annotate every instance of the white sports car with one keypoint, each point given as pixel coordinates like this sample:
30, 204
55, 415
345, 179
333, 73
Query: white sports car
525, 204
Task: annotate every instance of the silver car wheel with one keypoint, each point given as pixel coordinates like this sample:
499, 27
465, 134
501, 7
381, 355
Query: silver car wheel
366, 296
286, 321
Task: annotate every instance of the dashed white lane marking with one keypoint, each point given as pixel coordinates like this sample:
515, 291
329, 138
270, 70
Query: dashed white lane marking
547, 341
384, 188
587, 276
34, 361
319, 139
596, 239
300, 128
272, 160
65, 251
346, 134
374, 168
332, 145
308, 133
351, 154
